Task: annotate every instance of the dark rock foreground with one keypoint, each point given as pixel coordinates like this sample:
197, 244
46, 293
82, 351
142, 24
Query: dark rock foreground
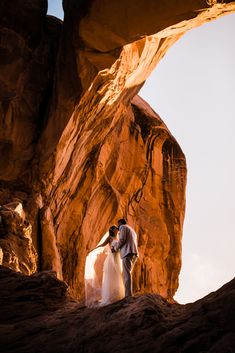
38, 315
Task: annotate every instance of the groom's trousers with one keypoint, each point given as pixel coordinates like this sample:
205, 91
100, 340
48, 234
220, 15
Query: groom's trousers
128, 264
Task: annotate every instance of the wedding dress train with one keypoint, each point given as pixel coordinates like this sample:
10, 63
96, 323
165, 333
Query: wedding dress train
112, 282
103, 276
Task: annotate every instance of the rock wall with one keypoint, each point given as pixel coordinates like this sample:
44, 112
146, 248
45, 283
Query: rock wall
28, 46
86, 149
17, 250
135, 170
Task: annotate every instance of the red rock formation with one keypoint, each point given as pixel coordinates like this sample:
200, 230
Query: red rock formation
28, 48
136, 170
113, 157
38, 316
17, 250
99, 152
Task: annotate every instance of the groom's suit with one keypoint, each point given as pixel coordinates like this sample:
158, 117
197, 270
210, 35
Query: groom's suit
129, 251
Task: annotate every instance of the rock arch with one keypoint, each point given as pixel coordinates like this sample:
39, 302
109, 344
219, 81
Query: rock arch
99, 151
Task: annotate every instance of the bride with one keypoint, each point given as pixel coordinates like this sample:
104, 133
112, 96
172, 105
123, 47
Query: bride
103, 272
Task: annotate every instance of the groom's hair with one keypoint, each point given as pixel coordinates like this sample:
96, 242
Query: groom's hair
122, 221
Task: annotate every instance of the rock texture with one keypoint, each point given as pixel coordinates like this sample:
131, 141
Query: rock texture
137, 170
38, 316
16, 243
28, 49
28, 46
78, 147
112, 156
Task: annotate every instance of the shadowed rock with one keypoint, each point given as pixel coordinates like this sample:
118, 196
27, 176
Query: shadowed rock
38, 316
28, 49
16, 244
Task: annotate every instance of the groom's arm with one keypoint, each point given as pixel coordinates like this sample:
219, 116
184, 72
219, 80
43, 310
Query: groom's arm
122, 239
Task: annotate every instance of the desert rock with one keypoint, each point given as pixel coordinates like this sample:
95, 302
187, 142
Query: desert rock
79, 148
38, 315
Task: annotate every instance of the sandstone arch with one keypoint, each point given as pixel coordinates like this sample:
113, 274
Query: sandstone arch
98, 148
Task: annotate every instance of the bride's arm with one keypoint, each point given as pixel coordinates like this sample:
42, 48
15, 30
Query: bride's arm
107, 240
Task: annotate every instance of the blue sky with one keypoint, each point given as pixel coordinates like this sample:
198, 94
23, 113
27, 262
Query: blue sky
55, 8
192, 89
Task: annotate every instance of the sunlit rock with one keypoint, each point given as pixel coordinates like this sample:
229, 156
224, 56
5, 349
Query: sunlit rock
50, 255
105, 155
18, 251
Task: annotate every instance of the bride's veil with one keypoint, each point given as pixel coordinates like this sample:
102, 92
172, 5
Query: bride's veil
94, 273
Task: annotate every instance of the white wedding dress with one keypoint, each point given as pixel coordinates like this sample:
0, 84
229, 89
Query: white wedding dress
103, 276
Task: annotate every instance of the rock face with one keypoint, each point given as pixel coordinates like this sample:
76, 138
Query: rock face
28, 48
137, 170
38, 316
79, 147
16, 244
28, 45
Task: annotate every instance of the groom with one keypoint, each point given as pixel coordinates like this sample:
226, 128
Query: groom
128, 250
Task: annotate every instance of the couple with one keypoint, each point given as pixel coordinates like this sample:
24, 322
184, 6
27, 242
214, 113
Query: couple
111, 279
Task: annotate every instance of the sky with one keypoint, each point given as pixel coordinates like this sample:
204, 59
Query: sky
193, 90
55, 8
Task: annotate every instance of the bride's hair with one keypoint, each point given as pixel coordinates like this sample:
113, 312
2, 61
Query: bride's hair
111, 231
